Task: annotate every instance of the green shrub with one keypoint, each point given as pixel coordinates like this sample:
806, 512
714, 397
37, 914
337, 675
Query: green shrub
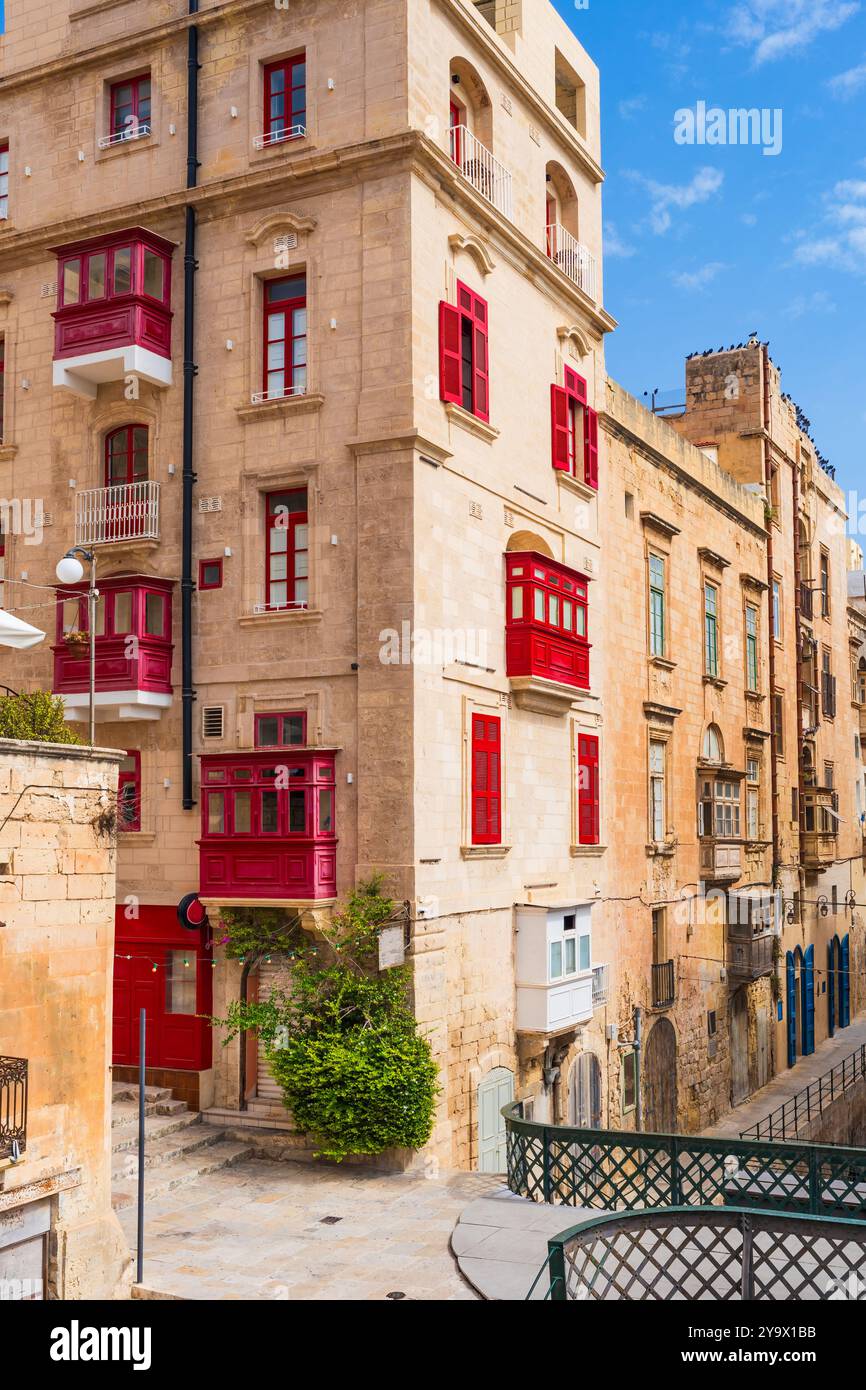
343, 1043
37, 716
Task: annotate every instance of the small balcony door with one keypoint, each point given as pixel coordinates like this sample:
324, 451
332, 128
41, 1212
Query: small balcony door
125, 464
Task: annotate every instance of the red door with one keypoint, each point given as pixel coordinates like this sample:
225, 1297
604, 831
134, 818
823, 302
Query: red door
125, 464
167, 970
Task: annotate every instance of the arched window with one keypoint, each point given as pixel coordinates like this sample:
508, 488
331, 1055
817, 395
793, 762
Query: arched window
126, 455
714, 748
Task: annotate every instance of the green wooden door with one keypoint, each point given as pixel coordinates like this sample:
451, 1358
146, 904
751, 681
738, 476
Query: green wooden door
495, 1091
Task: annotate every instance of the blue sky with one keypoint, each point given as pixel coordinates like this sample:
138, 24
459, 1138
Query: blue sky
706, 244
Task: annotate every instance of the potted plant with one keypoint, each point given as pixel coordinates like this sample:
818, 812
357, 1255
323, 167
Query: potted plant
77, 642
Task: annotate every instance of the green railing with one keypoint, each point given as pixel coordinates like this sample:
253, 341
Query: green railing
810, 1103
618, 1171
707, 1253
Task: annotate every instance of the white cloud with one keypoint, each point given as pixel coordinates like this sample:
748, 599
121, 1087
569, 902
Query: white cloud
817, 303
841, 242
614, 244
630, 107
665, 196
694, 280
776, 29
847, 84
749, 219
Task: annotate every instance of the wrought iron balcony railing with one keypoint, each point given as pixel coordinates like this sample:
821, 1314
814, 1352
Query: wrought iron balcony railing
810, 1103
13, 1107
126, 513
572, 258
664, 985
708, 1253
480, 167
600, 985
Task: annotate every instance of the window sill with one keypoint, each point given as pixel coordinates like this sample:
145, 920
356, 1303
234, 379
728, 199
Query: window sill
716, 682
757, 846
572, 484
280, 615
469, 422
588, 851
662, 664
755, 695
142, 142
136, 837
297, 144
665, 851
8, 452
287, 405
485, 851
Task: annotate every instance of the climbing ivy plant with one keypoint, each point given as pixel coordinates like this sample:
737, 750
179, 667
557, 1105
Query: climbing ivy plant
343, 1044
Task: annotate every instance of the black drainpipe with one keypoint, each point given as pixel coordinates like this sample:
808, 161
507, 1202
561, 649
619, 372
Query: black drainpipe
189, 373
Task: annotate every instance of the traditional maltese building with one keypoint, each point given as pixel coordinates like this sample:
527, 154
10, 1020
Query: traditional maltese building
301, 312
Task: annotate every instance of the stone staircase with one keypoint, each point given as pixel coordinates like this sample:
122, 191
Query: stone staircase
178, 1147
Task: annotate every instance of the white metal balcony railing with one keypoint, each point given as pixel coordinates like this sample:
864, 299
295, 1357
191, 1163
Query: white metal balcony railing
573, 259
600, 984
126, 513
121, 137
278, 137
281, 394
476, 163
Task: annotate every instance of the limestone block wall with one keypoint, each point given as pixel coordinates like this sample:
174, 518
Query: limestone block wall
57, 882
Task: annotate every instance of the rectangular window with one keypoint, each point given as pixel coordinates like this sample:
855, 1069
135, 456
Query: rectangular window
658, 791
210, 574
129, 792
181, 968
753, 800
752, 666
4, 180
711, 630
825, 584
777, 610
285, 337
588, 790
657, 605
463, 353
285, 99
130, 107
287, 561
280, 730
574, 430
2, 386
719, 810
486, 780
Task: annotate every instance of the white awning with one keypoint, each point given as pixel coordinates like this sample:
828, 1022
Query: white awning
15, 633
828, 811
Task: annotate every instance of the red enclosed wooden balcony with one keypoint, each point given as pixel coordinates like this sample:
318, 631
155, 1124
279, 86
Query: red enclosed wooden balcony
133, 648
268, 827
546, 640
113, 316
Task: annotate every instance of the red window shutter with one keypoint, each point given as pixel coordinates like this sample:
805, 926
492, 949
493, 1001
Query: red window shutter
560, 407
575, 385
486, 781
588, 790
449, 353
480, 358
590, 447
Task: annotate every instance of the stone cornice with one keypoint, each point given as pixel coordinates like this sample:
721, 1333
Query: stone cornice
122, 45
555, 124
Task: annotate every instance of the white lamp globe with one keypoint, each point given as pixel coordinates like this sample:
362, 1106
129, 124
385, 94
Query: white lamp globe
69, 570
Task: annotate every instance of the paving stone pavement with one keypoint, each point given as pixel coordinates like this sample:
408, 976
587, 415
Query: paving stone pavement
258, 1231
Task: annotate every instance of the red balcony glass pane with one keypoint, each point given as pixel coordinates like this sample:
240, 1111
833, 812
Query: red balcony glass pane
122, 613
547, 621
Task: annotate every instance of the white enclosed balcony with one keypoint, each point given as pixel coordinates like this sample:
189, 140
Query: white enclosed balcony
106, 515
573, 259
556, 983
480, 167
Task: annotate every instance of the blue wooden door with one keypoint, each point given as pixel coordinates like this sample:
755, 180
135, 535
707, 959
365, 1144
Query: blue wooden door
831, 987
809, 1003
845, 992
791, 981
495, 1091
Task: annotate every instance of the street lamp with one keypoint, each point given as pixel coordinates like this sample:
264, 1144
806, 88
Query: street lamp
71, 571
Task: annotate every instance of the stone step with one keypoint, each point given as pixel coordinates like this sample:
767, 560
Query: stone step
165, 1149
125, 1136
128, 1090
224, 1153
125, 1112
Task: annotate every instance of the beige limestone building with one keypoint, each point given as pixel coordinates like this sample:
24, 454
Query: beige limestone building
59, 1237
302, 317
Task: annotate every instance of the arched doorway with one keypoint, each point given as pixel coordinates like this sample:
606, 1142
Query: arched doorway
495, 1091
740, 1088
584, 1093
660, 1079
